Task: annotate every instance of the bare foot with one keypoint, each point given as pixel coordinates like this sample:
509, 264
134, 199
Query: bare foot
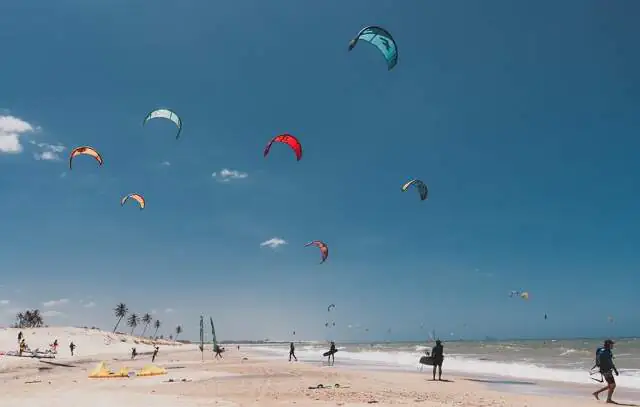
595, 394
611, 402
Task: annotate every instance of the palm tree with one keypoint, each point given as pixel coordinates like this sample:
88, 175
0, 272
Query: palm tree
156, 325
178, 331
146, 320
120, 311
133, 321
29, 319
36, 318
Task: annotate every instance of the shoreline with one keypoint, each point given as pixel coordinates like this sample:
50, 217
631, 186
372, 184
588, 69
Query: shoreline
501, 383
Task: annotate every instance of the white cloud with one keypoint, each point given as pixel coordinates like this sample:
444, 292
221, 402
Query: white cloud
11, 129
153, 312
166, 163
4, 302
54, 303
168, 310
52, 313
273, 243
226, 175
48, 152
89, 304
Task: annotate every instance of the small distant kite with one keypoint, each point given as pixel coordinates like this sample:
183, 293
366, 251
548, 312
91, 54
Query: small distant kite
289, 140
136, 197
522, 294
165, 114
381, 39
421, 186
85, 150
330, 307
324, 249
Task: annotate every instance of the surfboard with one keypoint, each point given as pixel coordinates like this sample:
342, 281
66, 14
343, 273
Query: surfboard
327, 353
426, 360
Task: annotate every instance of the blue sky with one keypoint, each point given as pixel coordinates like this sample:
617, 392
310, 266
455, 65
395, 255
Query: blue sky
521, 117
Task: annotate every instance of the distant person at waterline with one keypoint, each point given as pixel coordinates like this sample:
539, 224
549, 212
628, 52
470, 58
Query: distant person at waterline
604, 361
292, 352
437, 353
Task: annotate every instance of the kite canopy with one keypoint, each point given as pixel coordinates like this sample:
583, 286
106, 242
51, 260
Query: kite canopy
381, 39
85, 150
330, 307
289, 140
421, 186
324, 249
165, 114
136, 197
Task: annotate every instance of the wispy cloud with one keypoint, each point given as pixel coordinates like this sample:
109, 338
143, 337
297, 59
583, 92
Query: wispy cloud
90, 304
54, 303
52, 313
226, 175
4, 302
273, 243
484, 273
11, 130
165, 164
48, 152
168, 310
153, 312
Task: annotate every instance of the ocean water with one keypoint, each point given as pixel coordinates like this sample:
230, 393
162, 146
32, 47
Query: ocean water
554, 360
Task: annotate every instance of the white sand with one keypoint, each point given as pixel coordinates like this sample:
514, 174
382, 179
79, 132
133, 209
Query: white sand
229, 382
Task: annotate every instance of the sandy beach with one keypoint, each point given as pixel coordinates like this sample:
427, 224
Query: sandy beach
242, 378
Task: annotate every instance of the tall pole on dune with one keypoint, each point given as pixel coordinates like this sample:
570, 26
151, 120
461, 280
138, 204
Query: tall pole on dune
202, 337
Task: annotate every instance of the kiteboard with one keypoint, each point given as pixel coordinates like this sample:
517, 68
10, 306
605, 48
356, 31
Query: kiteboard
427, 360
330, 352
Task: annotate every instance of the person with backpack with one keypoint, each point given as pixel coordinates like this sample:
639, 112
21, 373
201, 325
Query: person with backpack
604, 361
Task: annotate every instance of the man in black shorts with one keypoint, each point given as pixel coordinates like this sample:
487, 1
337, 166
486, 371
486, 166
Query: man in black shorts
604, 360
438, 357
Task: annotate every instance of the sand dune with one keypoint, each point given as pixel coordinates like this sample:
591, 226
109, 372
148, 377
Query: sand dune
90, 344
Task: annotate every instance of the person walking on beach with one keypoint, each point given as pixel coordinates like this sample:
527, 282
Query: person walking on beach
72, 347
292, 352
437, 353
134, 353
218, 351
19, 337
604, 360
155, 353
331, 358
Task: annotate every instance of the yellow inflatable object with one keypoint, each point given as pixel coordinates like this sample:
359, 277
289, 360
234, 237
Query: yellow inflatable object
103, 372
151, 370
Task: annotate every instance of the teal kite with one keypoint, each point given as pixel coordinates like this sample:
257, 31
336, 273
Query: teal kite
381, 39
165, 114
421, 186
